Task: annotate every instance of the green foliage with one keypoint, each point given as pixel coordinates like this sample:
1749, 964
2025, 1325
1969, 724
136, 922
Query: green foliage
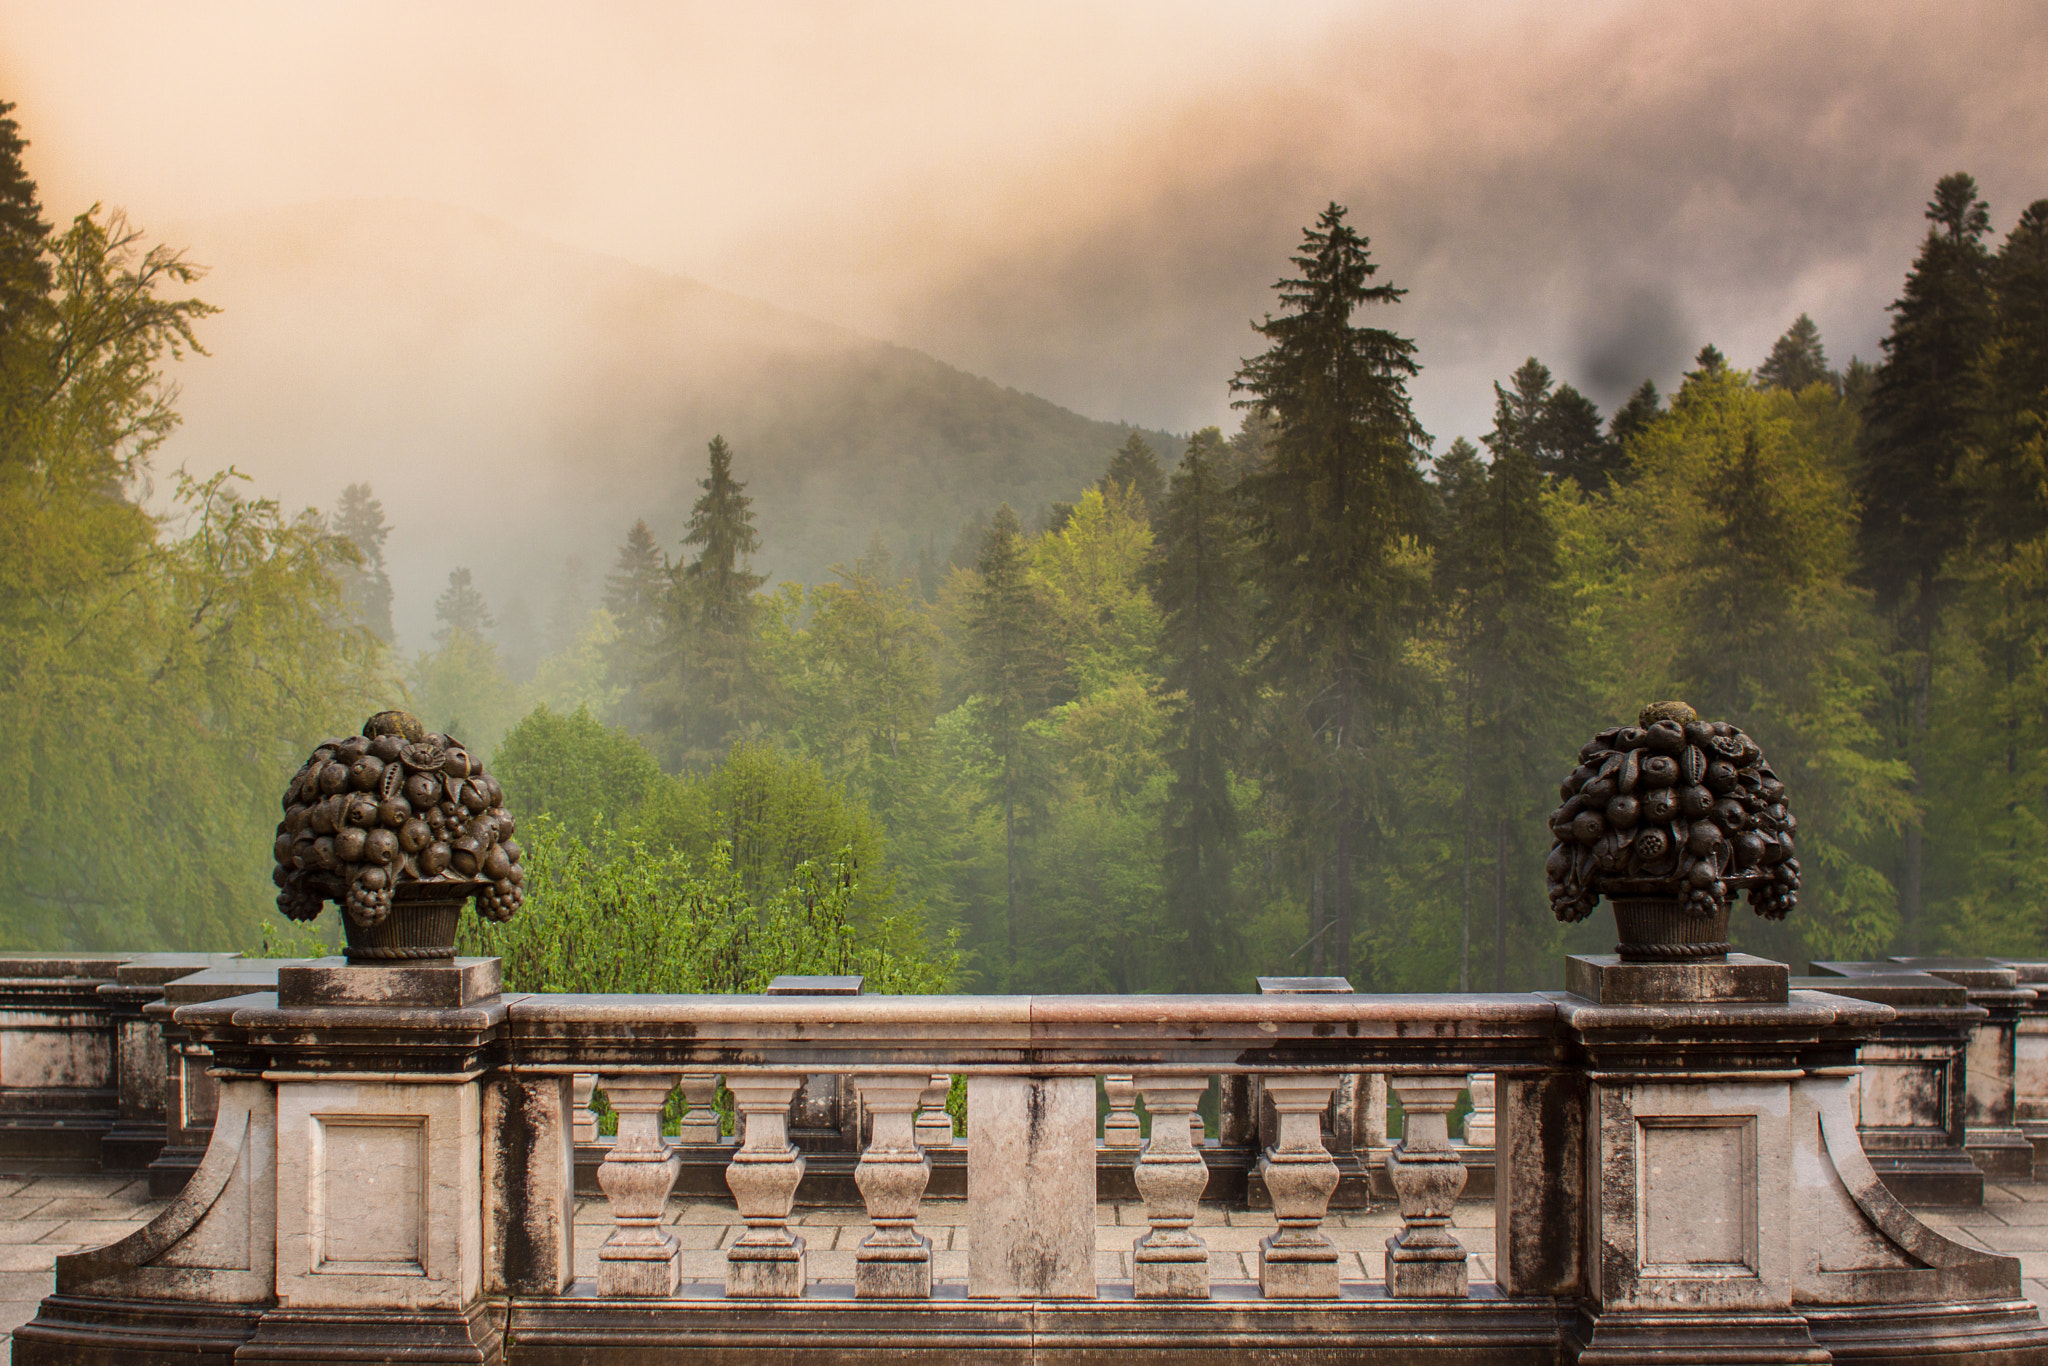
610, 915
583, 774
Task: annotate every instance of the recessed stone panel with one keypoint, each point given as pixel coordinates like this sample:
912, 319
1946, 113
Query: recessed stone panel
1903, 1091
370, 1188
1697, 1198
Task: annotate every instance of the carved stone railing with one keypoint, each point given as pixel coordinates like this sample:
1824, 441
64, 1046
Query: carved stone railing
1679, 1177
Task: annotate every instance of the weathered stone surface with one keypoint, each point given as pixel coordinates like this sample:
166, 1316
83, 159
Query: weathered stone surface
934, 1124
767, 1261
529, 1186
1120, 1128
1609, 980
1171, 1261
1031, 1187
1425, 1260
1298, 1261
1540, 1196
443, 985
894, 1261
638, 1259
379, 1195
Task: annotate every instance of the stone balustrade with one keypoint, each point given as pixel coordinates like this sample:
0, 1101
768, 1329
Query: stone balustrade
1678, 1177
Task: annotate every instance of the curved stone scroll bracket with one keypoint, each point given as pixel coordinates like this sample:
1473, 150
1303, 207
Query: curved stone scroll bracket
216, 1242
1861, 1246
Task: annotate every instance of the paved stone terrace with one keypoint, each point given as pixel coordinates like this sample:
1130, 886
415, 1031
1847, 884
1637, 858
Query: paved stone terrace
41, 1216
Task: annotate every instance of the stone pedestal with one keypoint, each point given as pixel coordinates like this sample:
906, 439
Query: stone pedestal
1425, 1260
380, 1201
191, 1094
58, 1084
1031, 1188
1991, 1129
2030, 1058
767, 1261
1298, 1261
894, 1262
141, 1057
1913, 1084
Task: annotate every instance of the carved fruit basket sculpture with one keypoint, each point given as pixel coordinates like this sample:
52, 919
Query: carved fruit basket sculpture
1668, 818
398, 828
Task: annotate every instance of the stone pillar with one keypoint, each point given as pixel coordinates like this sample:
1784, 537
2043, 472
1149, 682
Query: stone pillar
529, 1185
1298, 1261
1991, 1130
2030, 1057
640, 1257
894, 1262
191, 1093
58, 1084
1120, 1127
1171, 1261
1913, 1083
1425, 1260
700, 1127
1539, 1192
767, 1261
1031, 1188
380, 1205
141, 1057
934, 1124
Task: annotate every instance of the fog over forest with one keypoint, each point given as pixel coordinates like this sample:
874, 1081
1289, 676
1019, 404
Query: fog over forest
690, 400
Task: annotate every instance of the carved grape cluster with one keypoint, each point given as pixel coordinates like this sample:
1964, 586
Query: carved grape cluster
1673, 806
394, 805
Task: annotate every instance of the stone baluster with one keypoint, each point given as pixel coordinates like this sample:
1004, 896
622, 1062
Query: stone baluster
934, 1124
894, 1262
1479, 1129
1297, 1262
1198, 1132
700, 1122
1120, 1126
1424, 1260
639, 1170
1171, 1261
583, 1119
767, 1261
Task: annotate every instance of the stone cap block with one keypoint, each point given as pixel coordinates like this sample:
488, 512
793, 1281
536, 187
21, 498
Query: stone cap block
2030, 971
1916, 996
795, 985
155, 969
243, 977
443, 984
1742, 979
99, 967
1970, 972
1304, 986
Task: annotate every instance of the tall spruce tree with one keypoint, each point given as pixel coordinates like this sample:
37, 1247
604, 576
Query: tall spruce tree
1015, 670
461, 607
25, 279
1557, 428
1916, 423
1634, 417
365, 588
1196, 578
1135, 468
636, 593
716, 612
1327, 516
1797, 360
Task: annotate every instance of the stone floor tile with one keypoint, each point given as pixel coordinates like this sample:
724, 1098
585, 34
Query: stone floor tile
2032, 1191
28, 1285
702, 1266
80, 1207
1253, 1218
1112, 1266
1114, 1239
91, 1232
701, 1237
943, 1212
1232, 1266
1234, 1239
816, 1217
699, 1212
828, 1266
2024, 1214
949, 1266
1211, 1216
1352, 1267
14, 1313
26, 1230
32, 1256
86, 1186
14, 1207
2037, 1291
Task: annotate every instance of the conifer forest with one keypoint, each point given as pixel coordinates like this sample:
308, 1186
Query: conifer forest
1287, 696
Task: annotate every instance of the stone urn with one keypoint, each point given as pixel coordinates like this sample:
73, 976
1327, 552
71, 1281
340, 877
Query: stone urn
399, 828
1667, 819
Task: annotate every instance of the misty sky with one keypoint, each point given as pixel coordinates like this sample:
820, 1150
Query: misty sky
1090, 201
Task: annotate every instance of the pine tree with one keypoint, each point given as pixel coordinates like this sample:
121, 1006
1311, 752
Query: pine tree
1634, 417
1797, 360
1015, 671
1135, 467
715, 615
461, 608
365, 588
25, 279
1195, 576
1916, 423
1327, 518
1557, 428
